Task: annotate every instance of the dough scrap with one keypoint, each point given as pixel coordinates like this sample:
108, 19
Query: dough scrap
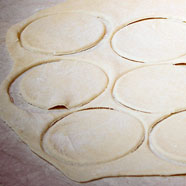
63, 83
64, 33
153, 89
151, 40
168, 138
93, 136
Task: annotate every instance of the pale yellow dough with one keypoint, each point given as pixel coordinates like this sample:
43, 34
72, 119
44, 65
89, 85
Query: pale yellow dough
63, 83
63, 33
151, 40
168, 138
110, 64
93, 136
153, 89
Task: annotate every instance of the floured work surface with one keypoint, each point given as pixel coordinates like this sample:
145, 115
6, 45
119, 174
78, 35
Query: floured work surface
98, 87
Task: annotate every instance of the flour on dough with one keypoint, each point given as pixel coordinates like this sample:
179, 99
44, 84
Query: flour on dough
63, 83
84, 55
93, 136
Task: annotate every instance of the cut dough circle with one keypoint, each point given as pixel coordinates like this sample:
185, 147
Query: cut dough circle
63, 83
63, 33
151, 40
155, 89
93, 136
168, 137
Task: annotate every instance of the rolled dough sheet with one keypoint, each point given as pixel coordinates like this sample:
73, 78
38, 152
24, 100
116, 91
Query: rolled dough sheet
101, 87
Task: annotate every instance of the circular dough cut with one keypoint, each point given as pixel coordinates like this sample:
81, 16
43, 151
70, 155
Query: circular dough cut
169, 136
158, 88
93, 136
151, 40
64, 33
64, 83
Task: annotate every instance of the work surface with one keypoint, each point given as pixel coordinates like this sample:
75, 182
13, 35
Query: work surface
19, 166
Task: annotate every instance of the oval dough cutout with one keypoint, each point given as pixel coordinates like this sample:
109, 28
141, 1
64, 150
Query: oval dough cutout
168, 138
158, 89
64, 83
151, 40
63, 33
93, 136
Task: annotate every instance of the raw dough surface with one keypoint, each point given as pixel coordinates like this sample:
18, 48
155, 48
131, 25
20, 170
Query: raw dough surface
63, 33
87, 56
168, 138
63, 83
151, 40
83, 138
157, 88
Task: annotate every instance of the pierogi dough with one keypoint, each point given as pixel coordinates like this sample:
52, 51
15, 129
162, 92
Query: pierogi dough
93, 136
63, 33
63, 83
96, 87
168, 137
153, 89
151, 40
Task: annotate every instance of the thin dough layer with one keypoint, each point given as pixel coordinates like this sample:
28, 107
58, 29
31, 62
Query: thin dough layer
64, 33
151, 40
86, 141
64, 83
93, 136
168, 138
158, 89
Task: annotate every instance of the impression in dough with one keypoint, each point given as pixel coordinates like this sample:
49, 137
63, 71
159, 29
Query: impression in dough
93, 136
63, 83
63, 33
106, 139
155, 89
151, 40
168, 137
